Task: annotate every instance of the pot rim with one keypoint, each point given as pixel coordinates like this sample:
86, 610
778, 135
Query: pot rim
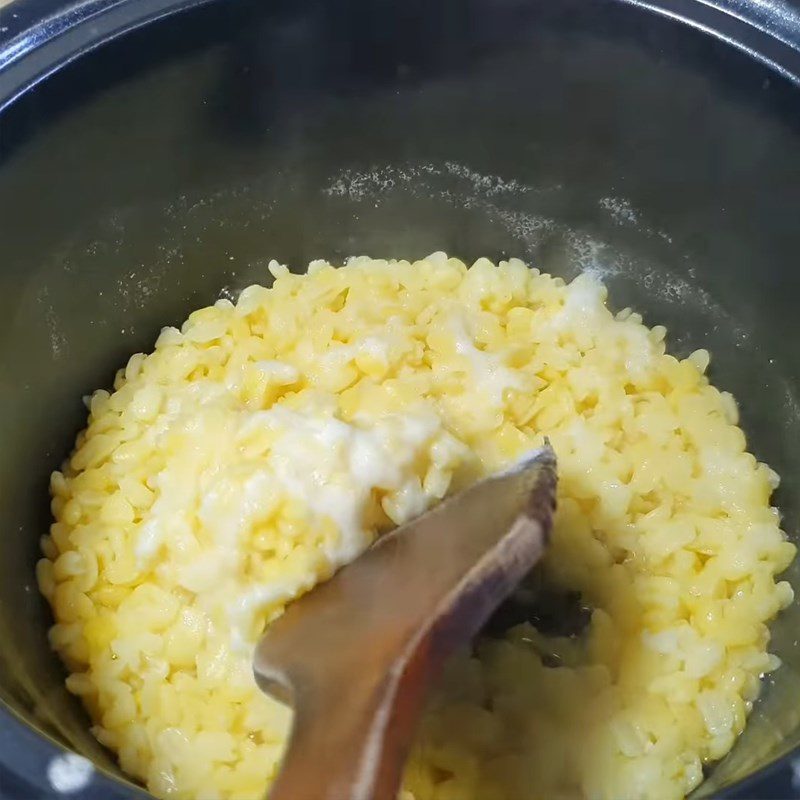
39, 37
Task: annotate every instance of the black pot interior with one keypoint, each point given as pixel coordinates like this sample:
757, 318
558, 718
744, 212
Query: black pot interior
171, 165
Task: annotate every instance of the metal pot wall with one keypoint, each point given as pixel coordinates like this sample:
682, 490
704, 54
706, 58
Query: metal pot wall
657, 142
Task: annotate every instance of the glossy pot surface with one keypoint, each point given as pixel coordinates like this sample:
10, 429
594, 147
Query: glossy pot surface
657, 143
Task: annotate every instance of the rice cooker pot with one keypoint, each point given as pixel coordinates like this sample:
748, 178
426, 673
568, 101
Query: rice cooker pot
145, 168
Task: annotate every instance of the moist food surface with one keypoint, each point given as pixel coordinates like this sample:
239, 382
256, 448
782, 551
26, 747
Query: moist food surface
268, 442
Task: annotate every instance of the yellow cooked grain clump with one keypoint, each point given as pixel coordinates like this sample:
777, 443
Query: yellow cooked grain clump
266, 443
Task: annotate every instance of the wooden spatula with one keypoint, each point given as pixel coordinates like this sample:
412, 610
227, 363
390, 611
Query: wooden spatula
355, 656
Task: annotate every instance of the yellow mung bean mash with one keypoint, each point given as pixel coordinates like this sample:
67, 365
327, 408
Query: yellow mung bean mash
268, 442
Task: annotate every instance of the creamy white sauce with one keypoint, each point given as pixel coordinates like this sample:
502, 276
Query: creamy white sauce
340, 355
584, 306
490, 377
332, 466
585, 311
278, 372
232, 470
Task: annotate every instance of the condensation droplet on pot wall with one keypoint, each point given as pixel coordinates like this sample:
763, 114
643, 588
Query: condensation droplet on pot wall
69, 773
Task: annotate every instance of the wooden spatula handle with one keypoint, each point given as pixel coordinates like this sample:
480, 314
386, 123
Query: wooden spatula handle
352, 744
356, 656
358, 750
